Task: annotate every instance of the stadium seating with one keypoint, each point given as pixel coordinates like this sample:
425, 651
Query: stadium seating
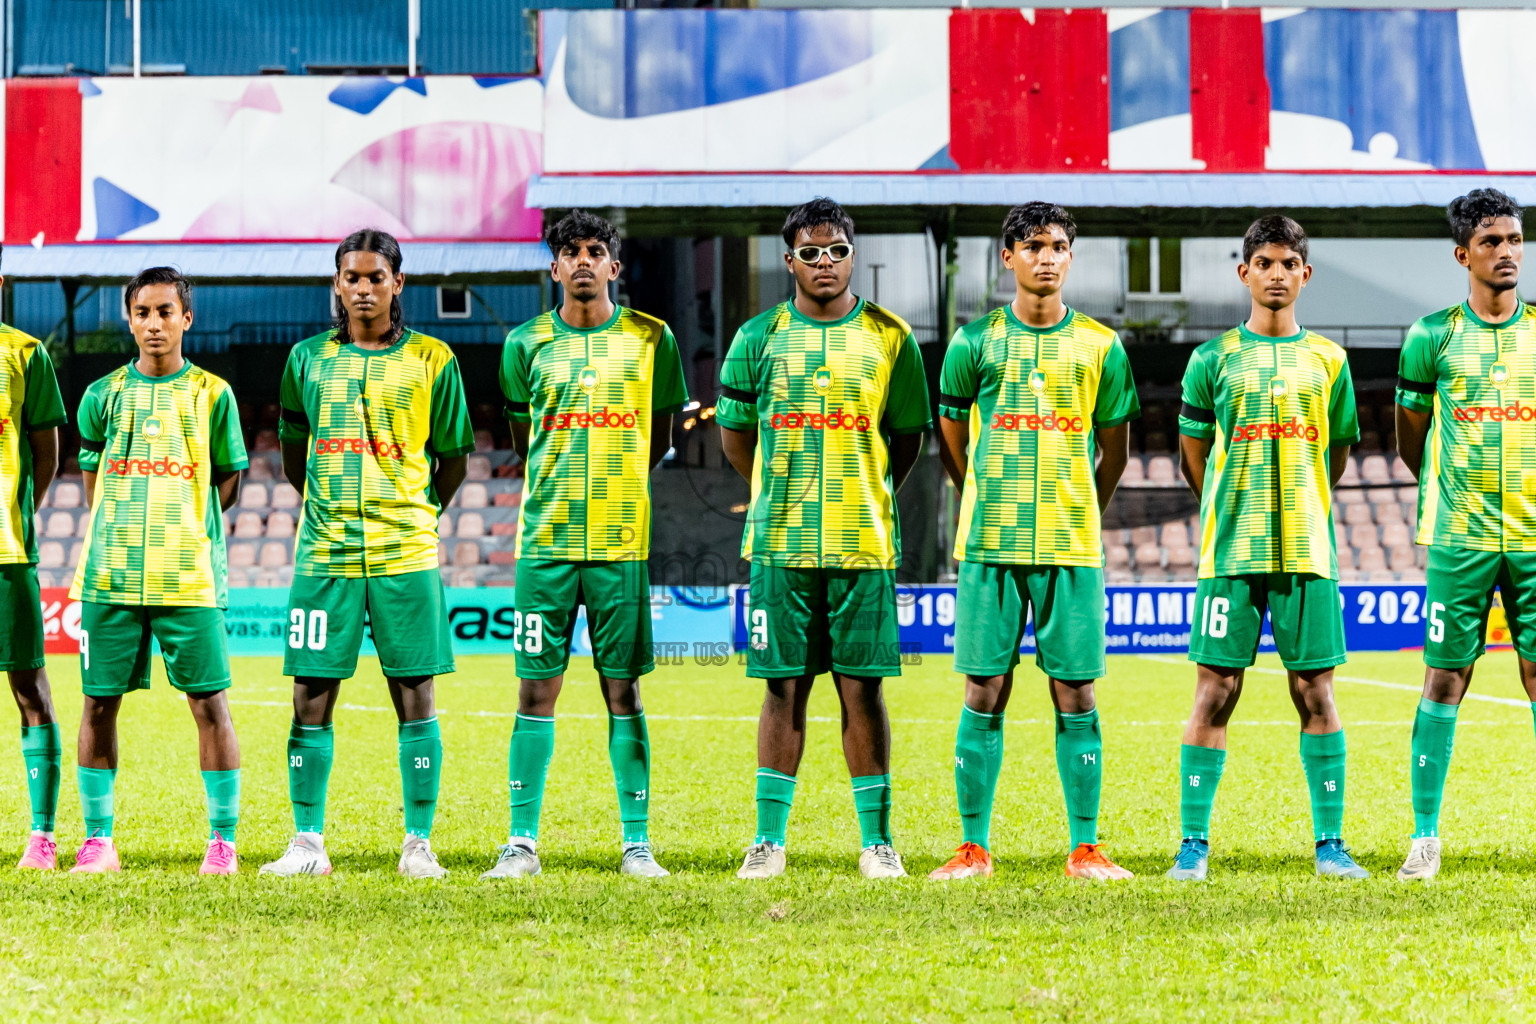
60, 524
65, 494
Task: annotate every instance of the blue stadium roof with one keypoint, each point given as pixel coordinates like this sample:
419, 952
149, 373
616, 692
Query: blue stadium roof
211, 261
1184, 189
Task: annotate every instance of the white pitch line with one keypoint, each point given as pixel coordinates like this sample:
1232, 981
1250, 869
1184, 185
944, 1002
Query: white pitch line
822, 720
1485, 698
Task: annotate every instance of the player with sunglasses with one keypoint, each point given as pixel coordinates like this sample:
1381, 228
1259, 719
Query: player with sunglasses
823, 407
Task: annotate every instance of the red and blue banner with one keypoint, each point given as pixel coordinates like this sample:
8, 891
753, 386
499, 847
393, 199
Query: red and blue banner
662, 91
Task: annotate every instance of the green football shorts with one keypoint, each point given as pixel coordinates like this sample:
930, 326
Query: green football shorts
617, 596
407, 614
1304, 613
21, 635
1460, 590
993, 603
809, 621
114, 647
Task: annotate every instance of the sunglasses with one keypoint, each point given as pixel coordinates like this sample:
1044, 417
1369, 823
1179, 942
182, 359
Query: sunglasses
812, 254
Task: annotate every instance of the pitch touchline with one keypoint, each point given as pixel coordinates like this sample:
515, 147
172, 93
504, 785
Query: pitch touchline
1486, 698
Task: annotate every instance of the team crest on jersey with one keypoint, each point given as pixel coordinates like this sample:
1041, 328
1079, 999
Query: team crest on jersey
361, 406
589, 379
1037, 381
1498, 373
821, 380
1278, 387
153, 428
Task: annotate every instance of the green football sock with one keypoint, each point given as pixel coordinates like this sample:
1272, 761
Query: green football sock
40, 751
96, 799
978, 759
1079, 762
311, 749
775, 793
872, 801
1434, 735
223, 789
421, 771
1199, 775
629, 751
533, 744
1323, 758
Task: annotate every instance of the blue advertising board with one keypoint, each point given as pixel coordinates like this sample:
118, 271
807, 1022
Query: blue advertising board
483, 621
1147, 619
710, 624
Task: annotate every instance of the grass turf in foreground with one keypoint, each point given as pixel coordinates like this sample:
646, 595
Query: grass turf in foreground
1263, 940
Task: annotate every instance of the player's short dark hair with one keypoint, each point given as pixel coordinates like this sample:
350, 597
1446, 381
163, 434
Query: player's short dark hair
1029, 219
381, 243
577, 225
812, 215
1467, 212
159, 275
1274, 229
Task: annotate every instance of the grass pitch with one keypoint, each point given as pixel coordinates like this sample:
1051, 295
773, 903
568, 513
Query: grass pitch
1263, 940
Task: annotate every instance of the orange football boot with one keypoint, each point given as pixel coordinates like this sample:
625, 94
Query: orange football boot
970, 861
1088, 861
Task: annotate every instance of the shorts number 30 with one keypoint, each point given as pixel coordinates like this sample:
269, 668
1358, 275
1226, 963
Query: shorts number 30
307, 629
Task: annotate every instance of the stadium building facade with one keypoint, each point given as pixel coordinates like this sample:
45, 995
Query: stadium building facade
1165, 135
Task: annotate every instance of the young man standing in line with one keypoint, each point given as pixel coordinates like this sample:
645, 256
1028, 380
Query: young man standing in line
376, 427
31, 412
1266, 425
161, 453
591, 389
823, 407
1032, 389
1466, 427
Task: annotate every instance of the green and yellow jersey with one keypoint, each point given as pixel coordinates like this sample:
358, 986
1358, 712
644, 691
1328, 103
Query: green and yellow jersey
1273, 408
373, 421
156, 531
1033, 399
1477, 487
824, 398
29, 400
588, 397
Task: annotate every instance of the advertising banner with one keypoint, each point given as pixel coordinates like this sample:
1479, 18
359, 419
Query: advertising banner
684, 622
1156, 619
711, 624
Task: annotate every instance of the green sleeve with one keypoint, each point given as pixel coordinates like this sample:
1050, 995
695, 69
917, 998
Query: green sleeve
668, 392
451, 433
1343, 424
737, 405
958, 383
515, 386
226, 444
1116, 402
294, 427
42, 406
1416, 368
1197, 414
92, 423
906, 403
